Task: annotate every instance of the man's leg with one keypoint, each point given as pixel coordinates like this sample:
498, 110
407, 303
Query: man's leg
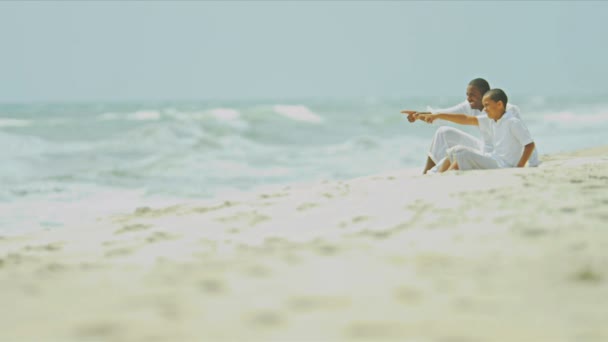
446, 137
465, 158
429, 165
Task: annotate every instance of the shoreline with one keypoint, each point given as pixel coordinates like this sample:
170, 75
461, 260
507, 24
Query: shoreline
499, 255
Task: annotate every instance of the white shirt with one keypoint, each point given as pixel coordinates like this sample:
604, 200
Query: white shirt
509, 136
486, 134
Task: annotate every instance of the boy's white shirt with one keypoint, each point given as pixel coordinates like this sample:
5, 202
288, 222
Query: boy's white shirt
510, 135
486, 133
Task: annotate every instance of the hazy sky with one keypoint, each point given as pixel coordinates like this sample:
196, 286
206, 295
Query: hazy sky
79, 51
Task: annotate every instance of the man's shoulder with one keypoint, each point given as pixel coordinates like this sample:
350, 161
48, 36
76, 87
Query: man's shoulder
462, 107
466, 107
513, 109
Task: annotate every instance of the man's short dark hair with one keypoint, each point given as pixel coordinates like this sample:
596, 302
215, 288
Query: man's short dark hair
480, 84
497, 95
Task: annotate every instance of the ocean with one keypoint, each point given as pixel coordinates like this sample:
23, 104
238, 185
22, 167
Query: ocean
67, 164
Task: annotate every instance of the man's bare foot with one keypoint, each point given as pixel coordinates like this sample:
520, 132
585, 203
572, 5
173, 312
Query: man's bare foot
429, 165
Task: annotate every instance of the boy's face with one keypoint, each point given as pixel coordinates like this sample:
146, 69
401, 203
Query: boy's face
494, 109
474, 96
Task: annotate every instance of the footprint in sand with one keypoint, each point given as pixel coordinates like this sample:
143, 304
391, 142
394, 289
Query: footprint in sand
161, 236
99, 329
378, 234
354, 220
51, 247
265, 318
142, 210
258, 271
226, 204
407, 295
149, 212
118, 252
531, 231
326, 249
51, 268
18, 259
250, 218
316, 302
275, 195
359, 219
132, 228
212, 286
306, 206
376, 330
587, 275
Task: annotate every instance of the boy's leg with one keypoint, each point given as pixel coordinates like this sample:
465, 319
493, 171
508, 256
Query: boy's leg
445, 165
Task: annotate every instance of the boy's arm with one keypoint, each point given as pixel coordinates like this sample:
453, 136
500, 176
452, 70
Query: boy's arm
412, 115
526, 155
461, 119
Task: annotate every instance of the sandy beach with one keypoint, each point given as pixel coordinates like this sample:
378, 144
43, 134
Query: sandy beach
502, 255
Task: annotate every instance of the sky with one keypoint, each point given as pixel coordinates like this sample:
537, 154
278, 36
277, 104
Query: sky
155, 51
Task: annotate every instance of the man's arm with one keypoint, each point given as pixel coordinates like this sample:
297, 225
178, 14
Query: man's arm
526, 155
461, 119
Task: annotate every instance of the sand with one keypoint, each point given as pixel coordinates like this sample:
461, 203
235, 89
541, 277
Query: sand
502, 255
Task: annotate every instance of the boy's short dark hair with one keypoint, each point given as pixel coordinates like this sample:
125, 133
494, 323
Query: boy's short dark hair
497, 95
480, 84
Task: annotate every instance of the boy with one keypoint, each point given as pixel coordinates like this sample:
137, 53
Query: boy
513, 144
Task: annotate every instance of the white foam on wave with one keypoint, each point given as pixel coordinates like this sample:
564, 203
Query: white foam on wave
220, 114
236, 169
144, 115
225, 114
184, 116
571, 117
358, 143
15, 145
108, 116
298, 113
10, 122
73, 205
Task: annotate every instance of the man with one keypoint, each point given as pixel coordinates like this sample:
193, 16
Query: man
447, 137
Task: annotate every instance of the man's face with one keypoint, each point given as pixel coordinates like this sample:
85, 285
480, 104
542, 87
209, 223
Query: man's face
474, 96
494, 109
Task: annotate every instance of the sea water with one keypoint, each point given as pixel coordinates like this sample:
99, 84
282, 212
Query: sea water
64, 164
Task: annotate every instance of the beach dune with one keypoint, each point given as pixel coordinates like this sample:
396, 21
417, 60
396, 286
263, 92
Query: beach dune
501, 255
